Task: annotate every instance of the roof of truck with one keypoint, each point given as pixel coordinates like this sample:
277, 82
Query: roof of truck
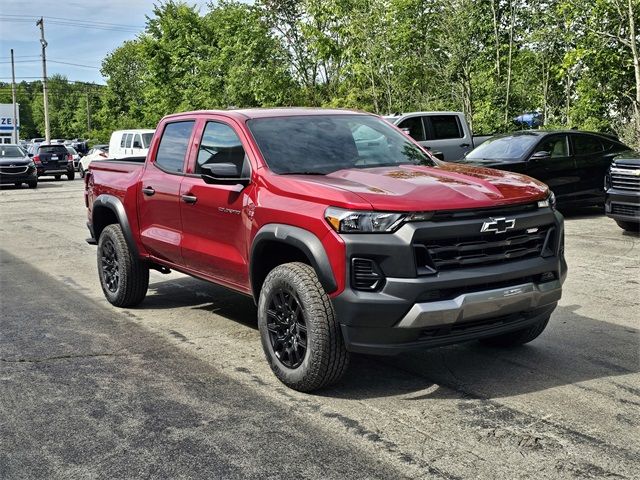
248, 113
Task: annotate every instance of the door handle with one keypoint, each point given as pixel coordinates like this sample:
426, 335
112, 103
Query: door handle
191, 199
465, 145
148, 191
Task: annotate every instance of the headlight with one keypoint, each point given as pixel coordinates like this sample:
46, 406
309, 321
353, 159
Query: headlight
550, 201
346, 221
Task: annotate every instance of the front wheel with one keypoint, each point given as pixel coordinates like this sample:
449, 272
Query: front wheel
81, 170
33, 183
71, 175
57, 177
300, 334
123, 277
519, 337
18, 184
629, 226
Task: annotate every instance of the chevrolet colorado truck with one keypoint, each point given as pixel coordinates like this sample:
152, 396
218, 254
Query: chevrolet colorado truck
622, 186
348, 234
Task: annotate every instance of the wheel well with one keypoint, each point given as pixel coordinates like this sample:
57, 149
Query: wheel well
102, 216
268, 256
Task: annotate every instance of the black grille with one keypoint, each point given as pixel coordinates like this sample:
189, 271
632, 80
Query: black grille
14, 170
483, 213
625, 209
625, 177
484, 249
365, 274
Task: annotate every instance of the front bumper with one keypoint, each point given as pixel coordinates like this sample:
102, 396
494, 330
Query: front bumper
28, 175
623, 205
413, 310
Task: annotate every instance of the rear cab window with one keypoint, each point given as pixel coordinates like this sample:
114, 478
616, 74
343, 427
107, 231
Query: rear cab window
174, 145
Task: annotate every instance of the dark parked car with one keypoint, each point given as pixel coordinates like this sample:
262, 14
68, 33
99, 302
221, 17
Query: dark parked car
623, 191
573, 164
52, 160
16, 167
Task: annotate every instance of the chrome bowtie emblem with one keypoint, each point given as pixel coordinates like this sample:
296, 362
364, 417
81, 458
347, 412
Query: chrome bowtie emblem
498, 225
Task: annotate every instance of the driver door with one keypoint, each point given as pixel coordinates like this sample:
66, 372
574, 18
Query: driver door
215, 221
557, 170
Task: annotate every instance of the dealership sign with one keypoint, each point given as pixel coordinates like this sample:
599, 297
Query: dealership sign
6, 117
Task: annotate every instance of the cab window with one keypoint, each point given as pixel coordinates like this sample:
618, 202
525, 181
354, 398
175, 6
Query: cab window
174, 145
221, 144
415, 127
587, 145
558, 147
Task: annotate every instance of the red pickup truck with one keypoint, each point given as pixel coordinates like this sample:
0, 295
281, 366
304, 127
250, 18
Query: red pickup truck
347, 233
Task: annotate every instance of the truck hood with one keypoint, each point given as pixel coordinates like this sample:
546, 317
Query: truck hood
448, 186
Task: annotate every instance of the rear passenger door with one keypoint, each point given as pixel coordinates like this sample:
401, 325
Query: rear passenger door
159, 194
214, 219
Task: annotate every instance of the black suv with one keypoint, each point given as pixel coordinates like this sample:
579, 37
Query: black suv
16, 167
622, 184
52, 160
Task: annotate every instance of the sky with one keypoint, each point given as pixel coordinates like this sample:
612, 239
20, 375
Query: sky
81, 32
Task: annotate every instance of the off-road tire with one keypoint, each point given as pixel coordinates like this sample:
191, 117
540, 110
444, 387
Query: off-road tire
33, 184
519, 337
71, 175
133, 274
326, 358
629, 226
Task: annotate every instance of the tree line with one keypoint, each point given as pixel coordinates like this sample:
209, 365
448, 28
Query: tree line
576, 62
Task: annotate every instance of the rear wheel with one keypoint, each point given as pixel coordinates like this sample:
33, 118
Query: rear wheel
33, 183
71, 175
123, 277
300, 334
57, 177
629, 226
519, 337
18, 184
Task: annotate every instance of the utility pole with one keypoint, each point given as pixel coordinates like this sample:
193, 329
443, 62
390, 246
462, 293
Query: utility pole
43, 42
13, 99
88, 115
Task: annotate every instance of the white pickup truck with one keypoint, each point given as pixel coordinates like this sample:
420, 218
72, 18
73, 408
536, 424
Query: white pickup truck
445, 132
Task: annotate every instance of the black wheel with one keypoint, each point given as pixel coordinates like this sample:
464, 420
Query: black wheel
81, 170
57, 177
33, 183
18, 184
300, 335
629, 226
519, 337
124, 278
71, 175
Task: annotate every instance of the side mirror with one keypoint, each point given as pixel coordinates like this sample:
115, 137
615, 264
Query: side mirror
541, 155
222, 174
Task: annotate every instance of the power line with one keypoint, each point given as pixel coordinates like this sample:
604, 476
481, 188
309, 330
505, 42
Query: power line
79, 25
73, 20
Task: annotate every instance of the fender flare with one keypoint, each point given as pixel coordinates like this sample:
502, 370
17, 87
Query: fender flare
114, 204
303, 240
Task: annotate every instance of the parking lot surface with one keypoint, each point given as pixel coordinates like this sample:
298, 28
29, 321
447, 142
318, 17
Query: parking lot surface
179, 388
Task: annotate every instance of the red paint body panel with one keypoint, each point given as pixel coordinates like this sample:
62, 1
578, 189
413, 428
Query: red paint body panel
212, 238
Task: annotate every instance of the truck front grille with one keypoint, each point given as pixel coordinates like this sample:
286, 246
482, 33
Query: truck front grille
626, 177
625, 209
484, 249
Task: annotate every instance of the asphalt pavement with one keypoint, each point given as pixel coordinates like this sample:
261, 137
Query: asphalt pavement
178, 387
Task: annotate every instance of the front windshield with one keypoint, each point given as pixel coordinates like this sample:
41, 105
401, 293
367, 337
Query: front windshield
11, 151
510, 146
322, 144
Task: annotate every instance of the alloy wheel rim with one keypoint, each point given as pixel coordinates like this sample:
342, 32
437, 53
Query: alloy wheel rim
110, 266
287, 329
